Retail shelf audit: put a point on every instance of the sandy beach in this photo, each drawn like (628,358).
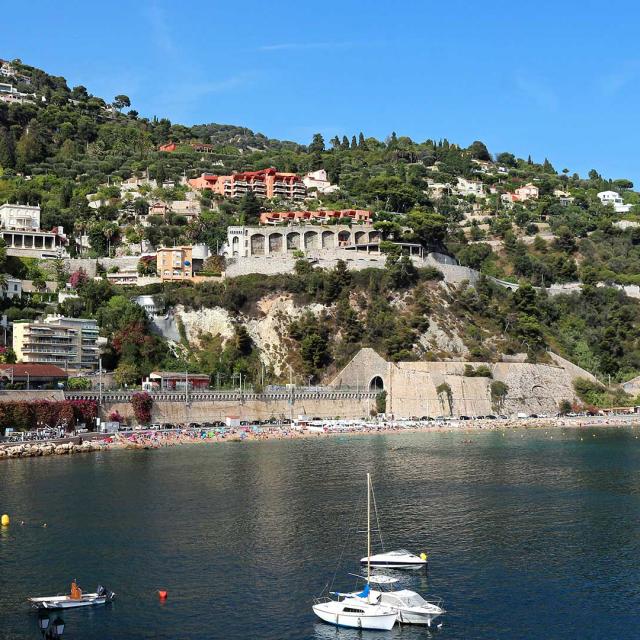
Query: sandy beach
(147,439)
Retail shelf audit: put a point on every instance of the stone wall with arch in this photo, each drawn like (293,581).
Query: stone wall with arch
(270,240)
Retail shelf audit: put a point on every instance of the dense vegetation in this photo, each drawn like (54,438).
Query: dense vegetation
(68,145)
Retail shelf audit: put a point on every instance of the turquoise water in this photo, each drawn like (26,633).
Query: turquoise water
(530,534)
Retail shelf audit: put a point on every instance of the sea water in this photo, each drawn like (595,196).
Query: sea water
(530,534)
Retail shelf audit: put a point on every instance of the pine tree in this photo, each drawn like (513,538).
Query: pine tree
(335,142)
(317,144)
(30,147)
(548,167)
(529,160)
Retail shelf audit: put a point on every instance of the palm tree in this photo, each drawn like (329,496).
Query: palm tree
(109,231)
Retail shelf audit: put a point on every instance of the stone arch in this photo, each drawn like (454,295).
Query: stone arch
(361,237)
(328,240)
(344,238)
(374,236)
(235,246)
(257,245)
(293,241)
(376,384)
(275,243)
(311,240)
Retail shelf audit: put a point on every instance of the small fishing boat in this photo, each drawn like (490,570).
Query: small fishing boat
(400,559)
(75,599)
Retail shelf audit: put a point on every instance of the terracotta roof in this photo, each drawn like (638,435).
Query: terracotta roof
(179,374)
(33,370)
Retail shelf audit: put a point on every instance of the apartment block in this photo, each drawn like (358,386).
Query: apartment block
(175,263)
(70,343)
(322,216)
(266,183)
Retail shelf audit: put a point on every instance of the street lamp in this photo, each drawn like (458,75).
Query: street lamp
(58,627)
(50,630)
(43,624)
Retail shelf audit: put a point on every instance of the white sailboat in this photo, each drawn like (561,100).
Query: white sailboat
(357,610)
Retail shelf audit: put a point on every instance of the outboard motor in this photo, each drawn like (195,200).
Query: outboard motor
(101,591)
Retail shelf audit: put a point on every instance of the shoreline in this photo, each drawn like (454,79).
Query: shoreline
(162,439)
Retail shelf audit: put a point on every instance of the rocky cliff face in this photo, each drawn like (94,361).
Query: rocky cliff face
(267,330)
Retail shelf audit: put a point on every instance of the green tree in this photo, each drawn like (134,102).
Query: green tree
(429,229)
(317,144)
(479,151)
(121,101)
(7,151)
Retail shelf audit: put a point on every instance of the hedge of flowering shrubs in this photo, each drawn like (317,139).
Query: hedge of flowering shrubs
(22,415)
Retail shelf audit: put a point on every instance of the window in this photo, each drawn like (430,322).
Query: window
(351,610)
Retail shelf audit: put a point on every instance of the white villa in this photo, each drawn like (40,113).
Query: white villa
(318,180)
(614,198)
(470,187)
(20,229)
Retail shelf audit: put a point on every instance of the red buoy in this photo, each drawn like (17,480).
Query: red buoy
(163,595)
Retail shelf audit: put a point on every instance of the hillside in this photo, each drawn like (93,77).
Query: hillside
(511,218)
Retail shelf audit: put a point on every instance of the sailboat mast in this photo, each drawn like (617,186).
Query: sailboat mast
(368,527)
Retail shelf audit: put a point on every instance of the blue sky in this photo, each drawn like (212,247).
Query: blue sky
(547,78)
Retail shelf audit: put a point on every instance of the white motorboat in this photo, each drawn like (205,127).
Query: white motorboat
(410,607)
(400,559)
(357,610)
(75,599)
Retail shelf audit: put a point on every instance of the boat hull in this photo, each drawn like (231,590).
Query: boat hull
(65,602)
(412,617)
(391,564)
(377,622)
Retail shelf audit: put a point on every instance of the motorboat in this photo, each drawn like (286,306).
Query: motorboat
(400,559)
(410,607)
(77,598)
(357,610)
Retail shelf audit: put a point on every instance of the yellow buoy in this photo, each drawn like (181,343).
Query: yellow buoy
(423,556)
(4,521)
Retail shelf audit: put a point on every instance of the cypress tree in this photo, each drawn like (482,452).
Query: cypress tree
(354,142)
(361,143)
(345,142)
(7,152)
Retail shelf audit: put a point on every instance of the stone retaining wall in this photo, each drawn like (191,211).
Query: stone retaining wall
(412,387)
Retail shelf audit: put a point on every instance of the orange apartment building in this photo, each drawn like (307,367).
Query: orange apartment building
(278,217)
(266,183)
(175,263)
(170,147)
